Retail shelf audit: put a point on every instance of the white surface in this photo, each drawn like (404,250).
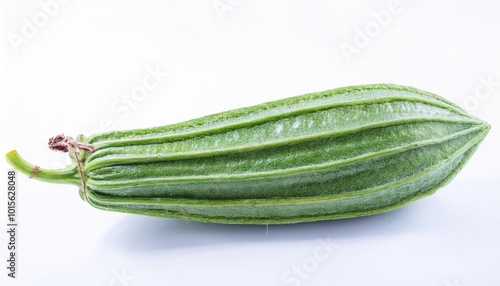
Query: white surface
(74,71)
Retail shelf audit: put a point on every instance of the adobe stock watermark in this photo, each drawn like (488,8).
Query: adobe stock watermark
(123,106)
(223,7)
(297,273)
(31,26)
(121,278)
(364,36)
(453,282)
(484,90)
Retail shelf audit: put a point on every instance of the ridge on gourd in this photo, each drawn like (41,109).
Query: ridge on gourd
(340,153)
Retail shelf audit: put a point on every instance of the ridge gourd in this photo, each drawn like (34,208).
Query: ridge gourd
(340,153)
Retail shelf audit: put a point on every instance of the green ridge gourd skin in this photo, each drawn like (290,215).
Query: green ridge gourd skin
(341,153)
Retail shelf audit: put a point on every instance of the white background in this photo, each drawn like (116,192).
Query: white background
(71,67)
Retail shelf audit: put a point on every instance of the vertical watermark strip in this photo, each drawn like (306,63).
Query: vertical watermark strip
(12,245)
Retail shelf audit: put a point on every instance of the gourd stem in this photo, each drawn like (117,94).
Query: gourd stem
(68,175)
